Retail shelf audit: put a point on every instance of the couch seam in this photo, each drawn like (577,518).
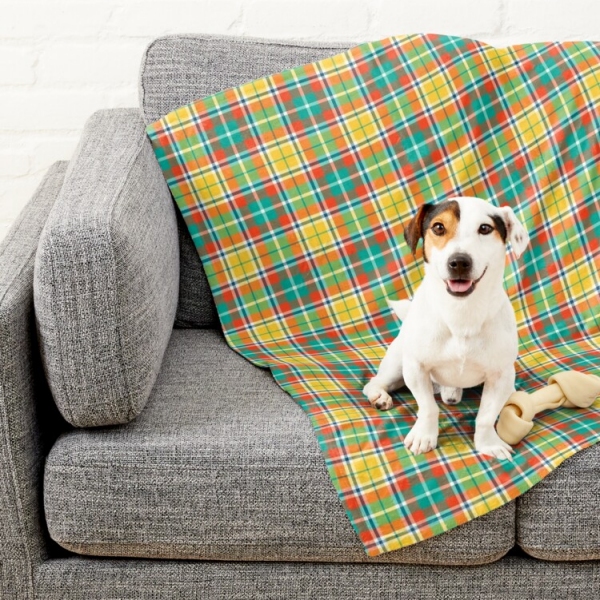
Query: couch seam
(533,551)
(142,70)
(486,560)
(66,409)
(118,284)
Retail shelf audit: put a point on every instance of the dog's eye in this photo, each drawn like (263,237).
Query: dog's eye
(438,229)
(485,229)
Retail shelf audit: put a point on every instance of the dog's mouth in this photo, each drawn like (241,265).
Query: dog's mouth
(462,287)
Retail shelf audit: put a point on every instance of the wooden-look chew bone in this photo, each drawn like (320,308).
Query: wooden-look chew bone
(571,389)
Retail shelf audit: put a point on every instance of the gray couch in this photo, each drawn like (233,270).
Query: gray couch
(133,464)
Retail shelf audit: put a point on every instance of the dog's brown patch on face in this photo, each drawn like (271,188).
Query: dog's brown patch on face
(499,227)
(448,214)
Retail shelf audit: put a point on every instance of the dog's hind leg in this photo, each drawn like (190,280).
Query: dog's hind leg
(388,378)
(450,395)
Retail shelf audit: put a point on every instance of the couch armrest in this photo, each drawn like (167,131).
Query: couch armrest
(106,279)
(27,424)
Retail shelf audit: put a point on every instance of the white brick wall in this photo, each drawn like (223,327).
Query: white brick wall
(60,60)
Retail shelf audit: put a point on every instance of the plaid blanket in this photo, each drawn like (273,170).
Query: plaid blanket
(296,188)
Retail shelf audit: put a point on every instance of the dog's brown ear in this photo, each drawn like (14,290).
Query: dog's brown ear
(413,232)
(517,234)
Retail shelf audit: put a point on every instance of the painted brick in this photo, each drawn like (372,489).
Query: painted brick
(125,97)
(15,193)
(51,149)
(60,60)
(49,110)
(14,164)
(17,65)
(548,20)
(105,63)
(4,227)
(312,19)
(53,19)
(151,19)
(459,17)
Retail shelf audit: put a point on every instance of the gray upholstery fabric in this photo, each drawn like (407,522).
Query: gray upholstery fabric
(177,70)
(107,274)
(221,465)
(511,578)
(559,518)
(25,403)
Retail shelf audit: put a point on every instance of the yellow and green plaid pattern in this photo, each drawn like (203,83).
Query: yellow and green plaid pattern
(296,188)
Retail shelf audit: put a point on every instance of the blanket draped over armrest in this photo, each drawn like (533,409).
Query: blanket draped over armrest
(296,188)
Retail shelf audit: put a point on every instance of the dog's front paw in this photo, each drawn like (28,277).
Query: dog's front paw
(489,443)
(377,396)
(422,437)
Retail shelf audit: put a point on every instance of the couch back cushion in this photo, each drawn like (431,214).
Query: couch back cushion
(177,70)
(106,275)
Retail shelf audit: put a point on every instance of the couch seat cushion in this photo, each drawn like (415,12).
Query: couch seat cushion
(558,519)
(221,464)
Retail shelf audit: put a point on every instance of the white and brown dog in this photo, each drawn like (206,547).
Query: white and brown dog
(459,330)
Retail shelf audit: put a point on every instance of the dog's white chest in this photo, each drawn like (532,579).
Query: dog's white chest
(459,362)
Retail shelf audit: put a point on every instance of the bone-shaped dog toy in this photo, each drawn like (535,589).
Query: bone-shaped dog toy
(571,389)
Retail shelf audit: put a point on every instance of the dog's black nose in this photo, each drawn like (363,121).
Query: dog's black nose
(460,265)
